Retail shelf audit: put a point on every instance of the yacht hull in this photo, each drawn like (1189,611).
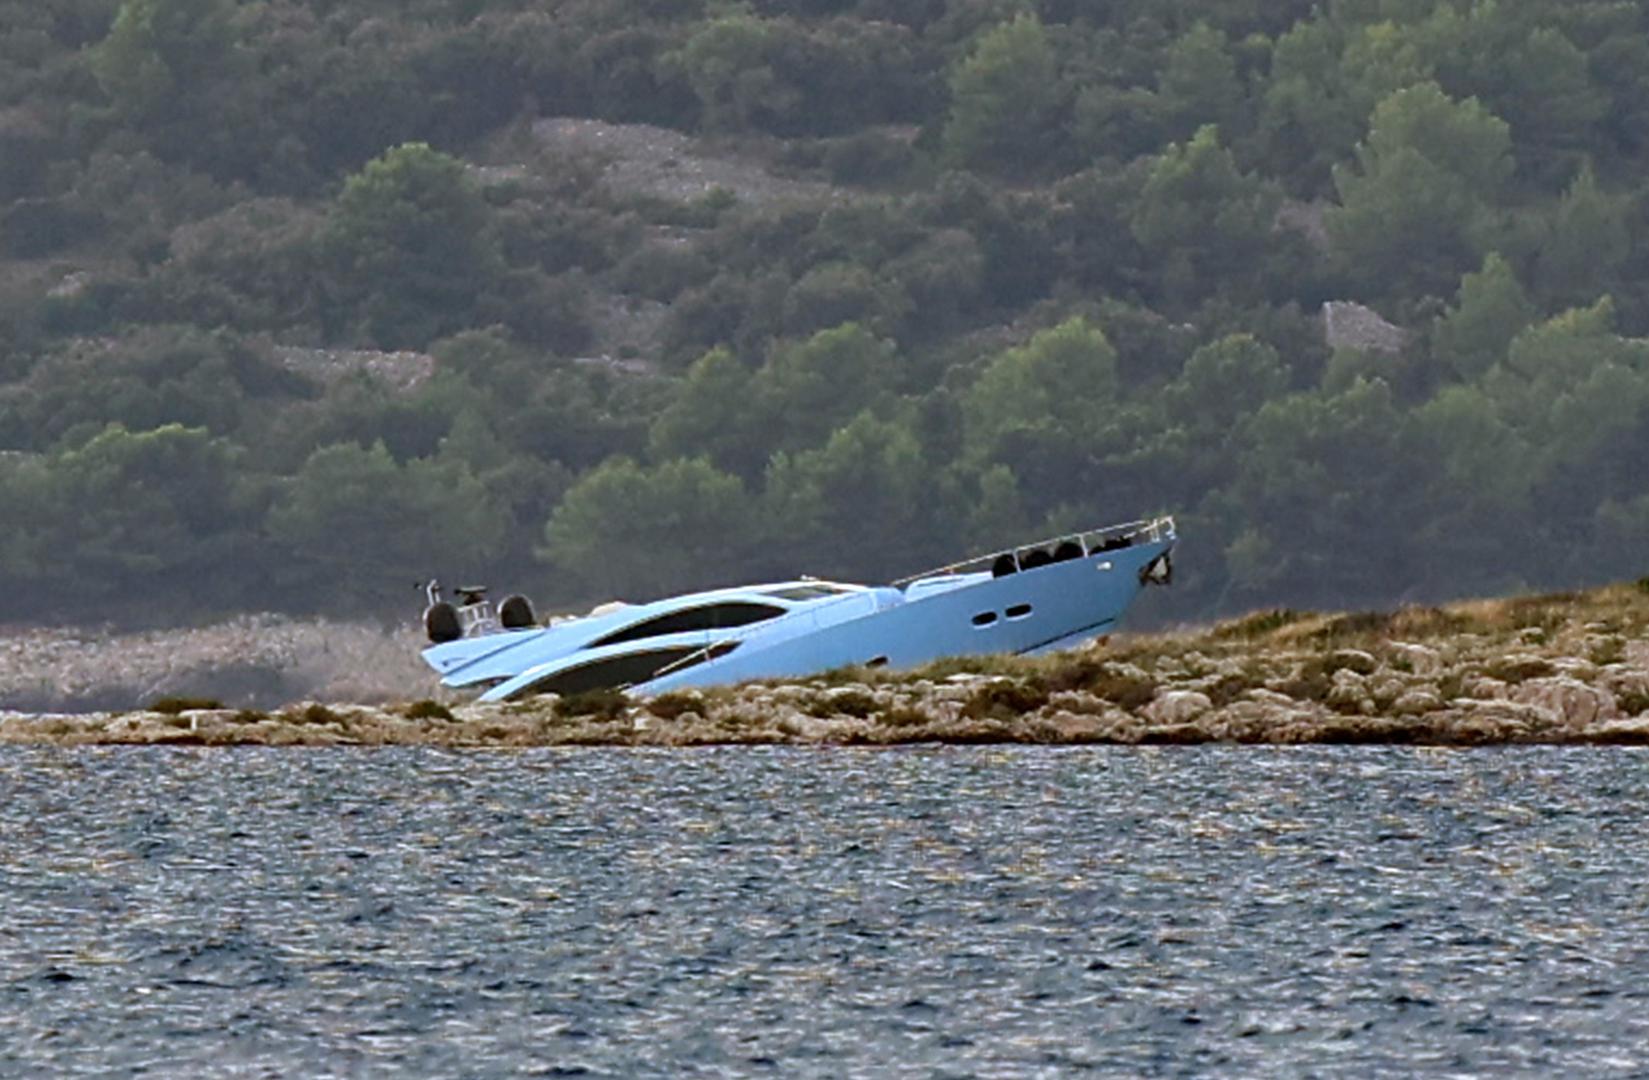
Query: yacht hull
(1053,606)
(1046,596)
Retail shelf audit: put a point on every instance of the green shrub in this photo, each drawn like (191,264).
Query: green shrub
(1516,669)
(992,664)
(869,157)
(1312,682)
(855,703)
(172,706)
(595,704)
(33,228)
(315,713)
(673,706)
(904,716)
(1004,700)
(662,273)
(1227,689)
(703,212)
(547,311)
(1126,691)
(1611,650)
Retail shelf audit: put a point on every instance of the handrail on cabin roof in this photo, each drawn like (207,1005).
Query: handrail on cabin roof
(1152,528)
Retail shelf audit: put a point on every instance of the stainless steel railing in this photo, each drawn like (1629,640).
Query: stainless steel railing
(1092,541)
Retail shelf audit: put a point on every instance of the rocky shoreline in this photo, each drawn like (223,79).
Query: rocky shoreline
(1564,669)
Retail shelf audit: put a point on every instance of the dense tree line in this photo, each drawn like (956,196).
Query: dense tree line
(1072,273)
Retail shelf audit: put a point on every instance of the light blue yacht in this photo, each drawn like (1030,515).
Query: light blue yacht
(1028,600)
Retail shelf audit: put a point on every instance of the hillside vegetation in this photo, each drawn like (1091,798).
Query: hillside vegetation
(304,300)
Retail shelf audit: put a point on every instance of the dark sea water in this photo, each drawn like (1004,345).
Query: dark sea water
(929,912)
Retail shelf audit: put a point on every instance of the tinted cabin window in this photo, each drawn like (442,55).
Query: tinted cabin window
(806,592)
(708,617)
(626,670)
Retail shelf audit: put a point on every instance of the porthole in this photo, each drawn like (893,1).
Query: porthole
(984,618)
(1019,611)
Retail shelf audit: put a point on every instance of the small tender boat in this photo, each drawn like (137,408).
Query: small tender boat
(1028,600)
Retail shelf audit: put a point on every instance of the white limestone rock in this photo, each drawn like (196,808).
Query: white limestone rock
(1422,660)
(1573,704)
(1349,325)
(1356,660)
(1417,701)
(1177,706)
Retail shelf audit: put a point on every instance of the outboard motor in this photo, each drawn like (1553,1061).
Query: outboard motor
(440,618)
(515,613)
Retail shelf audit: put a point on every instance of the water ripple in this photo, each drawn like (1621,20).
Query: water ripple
(931,912)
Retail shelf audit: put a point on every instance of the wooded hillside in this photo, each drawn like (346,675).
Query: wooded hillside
(304,300)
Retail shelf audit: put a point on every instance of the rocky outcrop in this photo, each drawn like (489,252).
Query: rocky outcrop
(640,159)
(1478,677)
(400,371)
(1348,325)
